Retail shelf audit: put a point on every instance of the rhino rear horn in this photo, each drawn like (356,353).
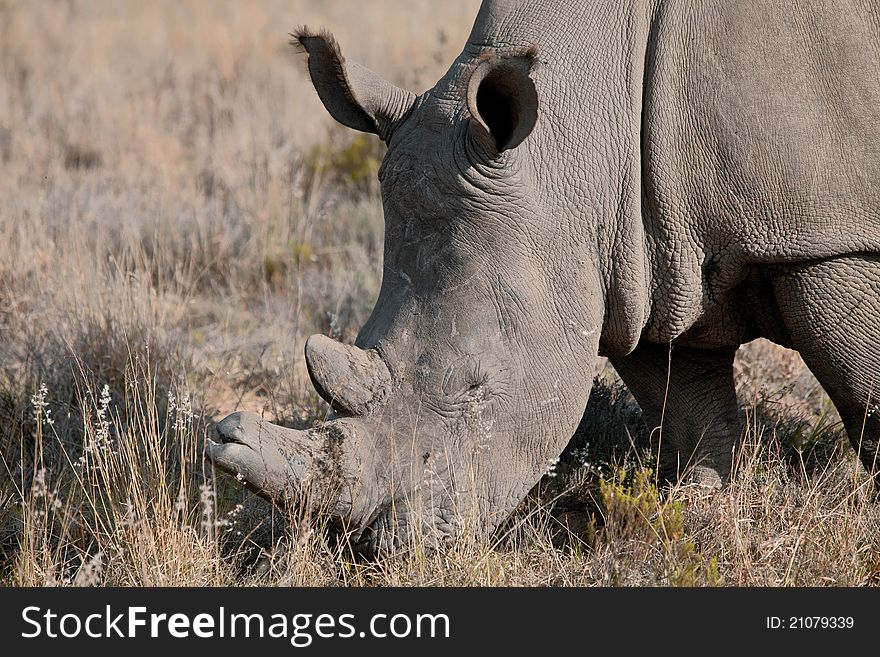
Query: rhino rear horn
(353,94)
(353,381)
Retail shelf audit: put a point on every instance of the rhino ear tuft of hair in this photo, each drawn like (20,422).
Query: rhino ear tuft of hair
(503,100)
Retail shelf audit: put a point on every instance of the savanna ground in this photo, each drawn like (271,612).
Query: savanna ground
(177,215)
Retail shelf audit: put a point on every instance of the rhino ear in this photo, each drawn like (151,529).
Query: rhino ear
(353,94)
(502,99)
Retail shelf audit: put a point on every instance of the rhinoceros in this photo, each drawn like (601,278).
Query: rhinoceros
(657,182)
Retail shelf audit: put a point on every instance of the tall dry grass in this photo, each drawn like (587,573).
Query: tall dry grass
(177,214)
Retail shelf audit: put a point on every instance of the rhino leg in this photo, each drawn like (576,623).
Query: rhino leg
(689,401)
(832,312)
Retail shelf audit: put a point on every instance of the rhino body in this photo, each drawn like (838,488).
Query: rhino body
(656,182)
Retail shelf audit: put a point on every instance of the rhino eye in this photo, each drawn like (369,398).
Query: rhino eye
(463,376)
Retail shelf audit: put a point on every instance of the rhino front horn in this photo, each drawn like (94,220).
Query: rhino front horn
(353,381)
(272,461)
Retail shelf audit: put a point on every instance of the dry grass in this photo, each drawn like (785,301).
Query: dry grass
(177,214)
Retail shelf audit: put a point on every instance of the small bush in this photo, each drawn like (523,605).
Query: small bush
(353,165)
(639,522)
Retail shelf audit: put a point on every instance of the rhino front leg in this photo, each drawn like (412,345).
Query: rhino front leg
(689,401)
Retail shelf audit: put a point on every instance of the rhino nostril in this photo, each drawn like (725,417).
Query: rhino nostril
(230,430)
(227,437)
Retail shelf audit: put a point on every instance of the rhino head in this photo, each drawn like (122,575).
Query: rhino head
(475,366)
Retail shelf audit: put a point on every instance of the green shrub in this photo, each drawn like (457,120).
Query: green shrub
(637,516)
(353,165)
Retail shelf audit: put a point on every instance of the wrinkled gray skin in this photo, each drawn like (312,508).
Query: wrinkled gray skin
(658,182)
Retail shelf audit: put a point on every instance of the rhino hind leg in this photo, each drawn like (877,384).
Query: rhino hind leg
(832,312)
(689,402)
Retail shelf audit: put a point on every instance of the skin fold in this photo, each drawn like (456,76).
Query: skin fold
(656,182)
